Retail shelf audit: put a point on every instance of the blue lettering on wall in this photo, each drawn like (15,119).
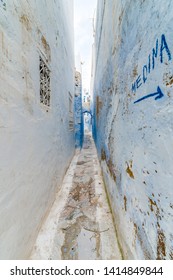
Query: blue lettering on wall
(149,63)
(161,47)
(144,73)
(134,87)
(138,81)
(154,53)
(158,94)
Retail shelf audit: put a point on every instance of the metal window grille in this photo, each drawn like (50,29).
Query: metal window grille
(44,83)
(3,4)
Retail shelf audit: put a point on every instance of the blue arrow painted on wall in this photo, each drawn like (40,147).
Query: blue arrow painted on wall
(159,94)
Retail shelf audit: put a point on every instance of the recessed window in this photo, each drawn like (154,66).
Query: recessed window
(44,83)
(71,121)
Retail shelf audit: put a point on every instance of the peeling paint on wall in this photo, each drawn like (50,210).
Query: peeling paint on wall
(37,143)
(79,126)
(133,126)
(129,170)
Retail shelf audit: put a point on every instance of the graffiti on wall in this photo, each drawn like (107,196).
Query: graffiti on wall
(158,94)
(162,53)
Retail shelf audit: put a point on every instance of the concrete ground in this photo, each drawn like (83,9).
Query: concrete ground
(79,225)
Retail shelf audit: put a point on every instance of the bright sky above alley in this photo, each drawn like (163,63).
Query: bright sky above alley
(84,12)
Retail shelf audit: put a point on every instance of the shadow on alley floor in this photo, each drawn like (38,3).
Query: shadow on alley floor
(79,225)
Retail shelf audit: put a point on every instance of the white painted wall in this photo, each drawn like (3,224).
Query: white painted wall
(135,140)
(36,144)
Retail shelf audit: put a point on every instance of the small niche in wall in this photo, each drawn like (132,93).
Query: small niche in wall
(3,4)
(44,83)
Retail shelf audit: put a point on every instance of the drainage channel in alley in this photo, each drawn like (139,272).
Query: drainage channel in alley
(79,225)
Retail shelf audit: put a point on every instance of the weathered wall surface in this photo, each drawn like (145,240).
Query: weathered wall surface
(36,143)
(79,130)
(133,93)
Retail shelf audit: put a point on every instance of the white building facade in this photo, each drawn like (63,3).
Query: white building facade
(133,131)
(36,116)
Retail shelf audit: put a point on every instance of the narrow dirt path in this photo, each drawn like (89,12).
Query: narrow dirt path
(80,224)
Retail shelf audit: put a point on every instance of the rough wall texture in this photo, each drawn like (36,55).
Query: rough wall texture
(133,89)
(36,144)
(79,130)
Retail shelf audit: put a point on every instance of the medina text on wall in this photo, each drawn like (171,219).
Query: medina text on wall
(36,115)
(133,94)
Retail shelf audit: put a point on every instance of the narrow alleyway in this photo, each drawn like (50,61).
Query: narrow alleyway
(79,225)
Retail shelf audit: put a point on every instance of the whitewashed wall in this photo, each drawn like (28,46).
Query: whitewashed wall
(36,144)
(134,62)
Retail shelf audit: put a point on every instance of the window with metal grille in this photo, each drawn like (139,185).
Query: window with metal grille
(44,83)
(71,121)
(3,4)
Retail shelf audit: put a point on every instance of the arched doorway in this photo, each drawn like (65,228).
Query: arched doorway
(87,118)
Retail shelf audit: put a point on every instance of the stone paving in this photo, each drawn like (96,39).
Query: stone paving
(80,225)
